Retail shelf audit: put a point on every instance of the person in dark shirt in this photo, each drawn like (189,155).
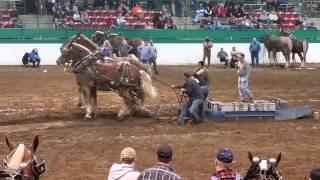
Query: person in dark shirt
(192,89)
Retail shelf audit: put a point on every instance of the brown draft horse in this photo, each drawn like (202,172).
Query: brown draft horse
(22,163)
(125,76)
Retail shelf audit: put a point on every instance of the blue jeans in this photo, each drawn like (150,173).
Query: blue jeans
(243,88)
(194,108)
(255,56)
(198,17)
(205,93)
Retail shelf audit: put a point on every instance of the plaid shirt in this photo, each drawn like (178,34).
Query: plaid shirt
(225,174)
(159,171)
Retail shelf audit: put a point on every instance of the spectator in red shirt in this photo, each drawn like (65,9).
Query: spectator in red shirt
(223,166)
(137,11)
(221,11)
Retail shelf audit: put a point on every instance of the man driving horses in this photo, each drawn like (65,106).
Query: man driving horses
(192,89)
(243,71)
(34,58)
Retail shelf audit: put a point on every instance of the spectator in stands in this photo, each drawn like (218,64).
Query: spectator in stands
(154,57)
(223,166)
(239,12)
(207,46)
(76,17)
(312,27)
(165,12)
(168,23)
(60,19)
(208,12)
(124,49)
(233,60)
(120,21)
(75,8)
(85,18)
(306,23)
(145,53)
(17,23)
(223,56)
(254,50)
(137,11)
(34,58)
(221,11)
(178,8)
(199,14)
(157,21)
(162,170)
(315,174)
(123,9)
(272,18)
(263,17)
(125,169)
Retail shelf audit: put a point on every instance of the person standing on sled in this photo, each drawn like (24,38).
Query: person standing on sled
(34,58)
(193,91)
(243,71)
(201,74)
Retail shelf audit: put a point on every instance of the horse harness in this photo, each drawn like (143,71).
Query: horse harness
(122,76)
(38,166)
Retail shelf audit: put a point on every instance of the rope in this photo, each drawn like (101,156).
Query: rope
(179,97)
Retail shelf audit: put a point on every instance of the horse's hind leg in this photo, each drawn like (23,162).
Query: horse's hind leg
(129,103)
(294,59)
(138,96)
(80,98)
(301,59)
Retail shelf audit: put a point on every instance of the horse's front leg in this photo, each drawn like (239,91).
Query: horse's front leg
(294,59)
(89,103)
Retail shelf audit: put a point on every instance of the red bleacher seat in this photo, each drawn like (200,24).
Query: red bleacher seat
(90,13)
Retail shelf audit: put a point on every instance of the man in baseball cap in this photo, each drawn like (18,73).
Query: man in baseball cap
(223,166)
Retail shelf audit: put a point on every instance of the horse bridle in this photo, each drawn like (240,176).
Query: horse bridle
(38,167)
(271,174)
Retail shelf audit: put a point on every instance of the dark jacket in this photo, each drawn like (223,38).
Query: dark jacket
(192,89)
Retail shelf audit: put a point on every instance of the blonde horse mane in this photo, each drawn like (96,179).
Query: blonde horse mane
(17,157)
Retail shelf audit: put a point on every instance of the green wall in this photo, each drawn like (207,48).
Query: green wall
(158,36)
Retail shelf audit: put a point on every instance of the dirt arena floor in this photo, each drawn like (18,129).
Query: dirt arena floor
(34,102)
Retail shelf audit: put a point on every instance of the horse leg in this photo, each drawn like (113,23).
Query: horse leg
(287,57)
(93,100)
(138,96)
(129,101)
(88,101)
(274,54)
(80,98)
(269,54)
(294,59)
(301,59)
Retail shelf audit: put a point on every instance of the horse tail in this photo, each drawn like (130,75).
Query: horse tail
(290,45)
(146,85)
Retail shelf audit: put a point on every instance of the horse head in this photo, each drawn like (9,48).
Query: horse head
(22,162)
(263,168)
(67,52)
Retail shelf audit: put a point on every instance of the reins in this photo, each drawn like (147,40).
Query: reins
(179,97)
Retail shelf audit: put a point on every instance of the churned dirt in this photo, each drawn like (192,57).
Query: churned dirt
(35,102)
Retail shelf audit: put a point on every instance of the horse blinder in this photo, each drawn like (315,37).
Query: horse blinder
(39,166)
